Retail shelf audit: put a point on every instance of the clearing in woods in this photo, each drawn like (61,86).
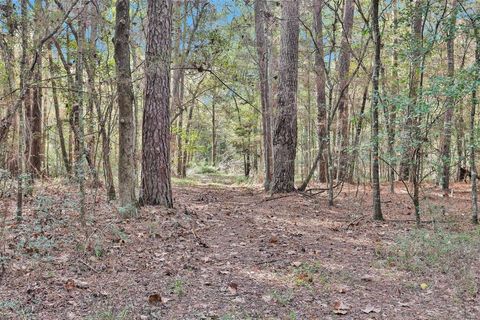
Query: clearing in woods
(233,252)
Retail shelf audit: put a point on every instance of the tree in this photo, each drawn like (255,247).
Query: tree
(413,155)
(343,78)
(450,104)
(474,102)
(377,209)
(285,130)
(391,109)
(35,121)
(320,72)
(156,185)
(126,152)
(58,120)
(78,115)
(414,79)
(262,51)
(21,112)
(320,84)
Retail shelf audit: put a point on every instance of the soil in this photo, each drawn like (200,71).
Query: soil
(224,252)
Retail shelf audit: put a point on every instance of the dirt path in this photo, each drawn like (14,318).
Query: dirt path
(223,253)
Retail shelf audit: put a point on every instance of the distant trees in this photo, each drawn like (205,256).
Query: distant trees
(156,185)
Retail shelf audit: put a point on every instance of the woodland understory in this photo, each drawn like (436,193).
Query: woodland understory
(229,251)
(239,159)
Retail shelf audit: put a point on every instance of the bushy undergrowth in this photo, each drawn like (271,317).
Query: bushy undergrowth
(205,169)
(428,253)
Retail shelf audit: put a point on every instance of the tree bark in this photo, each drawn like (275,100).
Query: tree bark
(450,103)
(392,112)
(81,157)
(156,184)
(285,133)
(126,152)
(262,52)
(377,209)
(21,112)
(473,148)
(214,135)
(343,76)
(414,145)
(36,152)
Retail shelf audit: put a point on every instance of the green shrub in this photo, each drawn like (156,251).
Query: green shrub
(205,169)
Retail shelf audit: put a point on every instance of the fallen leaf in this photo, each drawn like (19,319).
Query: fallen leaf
(423,286)
(274,240)
(70,284)
(233,288)
(74,283)
(154,299)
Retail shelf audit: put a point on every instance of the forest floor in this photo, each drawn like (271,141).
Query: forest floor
(233,252)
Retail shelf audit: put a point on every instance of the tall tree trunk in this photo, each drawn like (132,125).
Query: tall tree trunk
(79,116)
(450,103)
(409,142)
(285,132)
(180,125)
(473,148)
(343,76)
(59,121)
(21,112)
(90,62)
(460,128)
(126,152)
(358,131)
(36,152)
(8,56)
(102,119)
(187,141)
(106,149)
(320,72)
(392,112)
(262,52)
(414,143)
(377,209)
(156,181)
(214,135)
